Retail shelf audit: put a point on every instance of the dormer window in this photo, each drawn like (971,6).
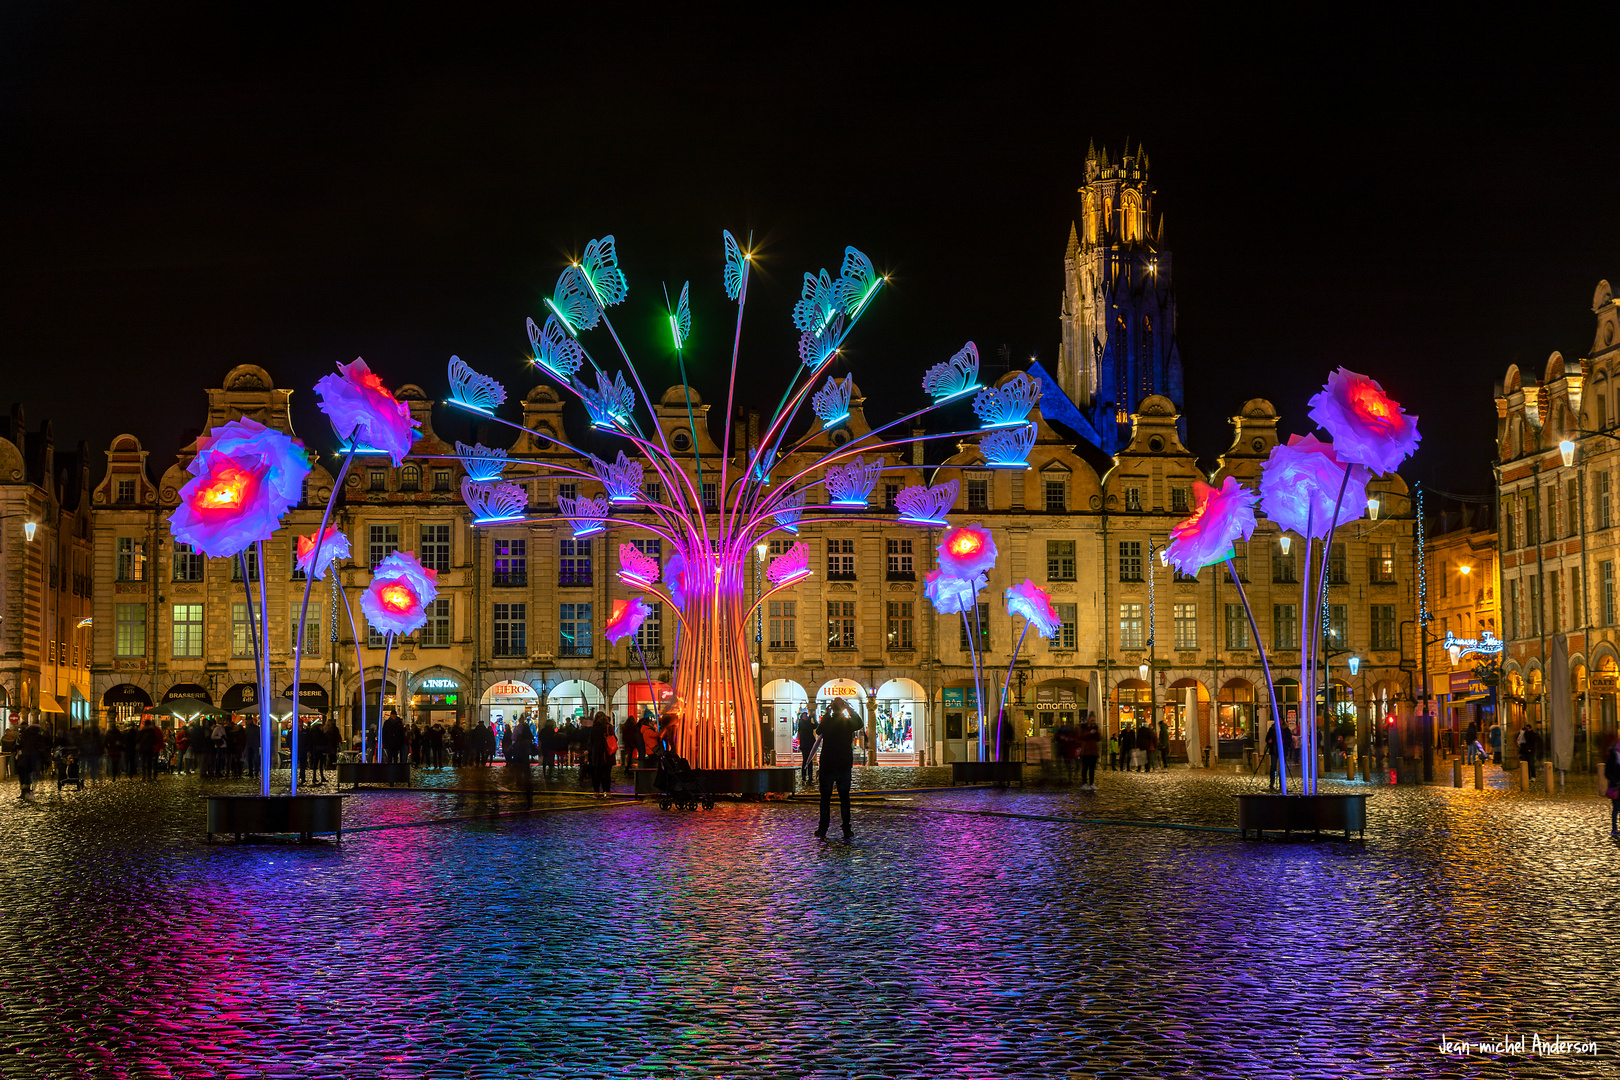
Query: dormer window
(125,491)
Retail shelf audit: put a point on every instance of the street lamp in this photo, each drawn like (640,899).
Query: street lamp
(1372,508)
(1353,663)
(1566,450)
(28,529)
(1285,542)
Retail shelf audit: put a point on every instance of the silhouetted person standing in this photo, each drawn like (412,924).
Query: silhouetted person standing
(838,733)
(807,746)
(393,738)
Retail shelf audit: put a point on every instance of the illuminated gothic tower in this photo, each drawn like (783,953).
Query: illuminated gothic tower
(1119,309)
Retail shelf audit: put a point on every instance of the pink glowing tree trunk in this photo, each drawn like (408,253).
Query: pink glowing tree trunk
(714,679)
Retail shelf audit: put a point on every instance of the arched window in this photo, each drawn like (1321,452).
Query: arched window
(410,478)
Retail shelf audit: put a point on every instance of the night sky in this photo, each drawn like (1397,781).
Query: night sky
(185,188)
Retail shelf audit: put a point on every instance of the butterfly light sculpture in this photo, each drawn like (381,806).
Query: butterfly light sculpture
(924,505)
(482,463)
(955,377)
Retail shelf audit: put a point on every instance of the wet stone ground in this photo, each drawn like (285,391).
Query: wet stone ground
(969,933)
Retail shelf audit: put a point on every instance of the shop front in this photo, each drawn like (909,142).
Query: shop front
(1178,720)
(1058,703)
(439,697)
(573,702)
(504,704)
(780,702)
(241,699)
(900,711)
(960,709)
(125,702)
(1133,704)
(640,698)
(1234,710)
(1605,682)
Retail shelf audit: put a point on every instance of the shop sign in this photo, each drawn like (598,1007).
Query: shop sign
(451,684)
(1605,682)
(510,689)
(961,697)
(1486,644)
(1465,684)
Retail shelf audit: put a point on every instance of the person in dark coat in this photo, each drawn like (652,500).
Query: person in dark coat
(1127,748)
(1144,743)
(312,752)
(147,740)
(1611,782)
(1164,745)
(598,755)
(1273,750)
(1004,738)
(393,738)
(838,731)
(629,741)
(807,746)
(30,744)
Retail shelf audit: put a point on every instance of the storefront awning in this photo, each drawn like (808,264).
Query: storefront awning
(243,697)
(188,690)
(126,694)
(48,703)
(312,697)
(1470,699)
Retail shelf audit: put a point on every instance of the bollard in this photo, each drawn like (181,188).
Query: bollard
(1456,772)
(1479,776)
(1366,768)
(1547,775)
(1524,776)
(1349,767)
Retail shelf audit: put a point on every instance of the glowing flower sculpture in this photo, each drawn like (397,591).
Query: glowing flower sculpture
(1031,601)
(967,551)
(356,401)
(1368,428)
(1299,486)
(317,552)
(244,478)
(952,595)
(1221,516)
(397,599)
(626,619)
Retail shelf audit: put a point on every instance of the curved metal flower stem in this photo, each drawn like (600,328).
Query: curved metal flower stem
(731,395)
(1307,670)
(382,688)
(264,675)
(258,675)
(1265,666)
(977,638)
(1007,682)
(1316,605)
(359,658)
(309,581)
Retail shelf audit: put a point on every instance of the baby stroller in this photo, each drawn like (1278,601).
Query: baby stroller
(682,788)
(67,768)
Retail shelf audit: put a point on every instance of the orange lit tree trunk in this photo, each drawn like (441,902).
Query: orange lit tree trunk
(714,680)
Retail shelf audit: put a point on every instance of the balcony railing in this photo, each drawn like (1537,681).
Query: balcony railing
(574,649)
(840,575)
(509,579)
(568,579)
(902,575)
(652,654)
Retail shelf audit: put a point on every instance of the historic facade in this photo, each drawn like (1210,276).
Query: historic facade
(45,587)
(1119,306)
(1558,529)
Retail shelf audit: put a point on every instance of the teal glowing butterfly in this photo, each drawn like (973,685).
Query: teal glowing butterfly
(573,303)
(554,350)
(600,266)
(680,323)
(857,282)
(736,269)
(819,302)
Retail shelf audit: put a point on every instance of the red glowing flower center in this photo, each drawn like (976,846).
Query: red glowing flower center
(965,544)
(398,597)
(224,493)
(1370,403)
(372,381)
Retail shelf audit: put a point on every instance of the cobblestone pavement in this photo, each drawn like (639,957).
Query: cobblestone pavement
(968,933)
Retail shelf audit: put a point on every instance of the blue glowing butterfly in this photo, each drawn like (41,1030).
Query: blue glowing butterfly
(831,402)
(957,376)
(600,266)
(470,389)
(857,282)
(554,350)
(611,402)
(819,303)
(789,510)
(587,514)
(736,269)
(852,484)
(924,505)
(493,502)
(816,349)
(680,323)
(762,469)
(621,478)
(482,463)
(1008,448)
(1008,404)
(573,302)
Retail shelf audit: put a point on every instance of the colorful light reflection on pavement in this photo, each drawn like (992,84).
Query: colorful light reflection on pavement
(623,940)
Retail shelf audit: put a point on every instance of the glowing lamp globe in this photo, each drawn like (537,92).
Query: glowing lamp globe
(1367,426)
(967,551)
(1354,663)
(245,477)
(1566,450)
(1142,670)
(1372,508)
(400,592)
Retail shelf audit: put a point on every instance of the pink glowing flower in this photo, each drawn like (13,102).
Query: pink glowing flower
(1368,428)
(356,401)
(397,599)
(314,558)
(1031,601)
(1299,486)
(1222,516)
(967,551)
(951,595)
(244,478)
(627,617)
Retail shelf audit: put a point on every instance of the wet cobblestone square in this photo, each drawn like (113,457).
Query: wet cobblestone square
(968,933)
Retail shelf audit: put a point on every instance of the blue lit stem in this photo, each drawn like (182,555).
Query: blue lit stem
(309,581)
(1007,683)
(382,688)
(1265,666)
(978,674)
(1321,584)
(359,662)
(258,676)
(264,672)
